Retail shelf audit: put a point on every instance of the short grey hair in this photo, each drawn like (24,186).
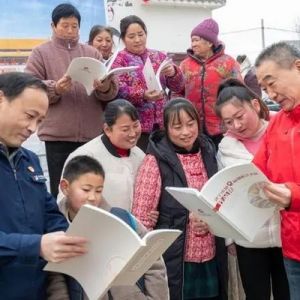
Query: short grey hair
(282,53)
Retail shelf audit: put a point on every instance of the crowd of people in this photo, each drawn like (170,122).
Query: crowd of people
(119,147)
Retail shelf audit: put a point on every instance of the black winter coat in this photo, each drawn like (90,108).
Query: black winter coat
(174,216)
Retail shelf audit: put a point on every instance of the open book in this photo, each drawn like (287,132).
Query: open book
(231,202)
(152,79)
(116,254)
(87,69)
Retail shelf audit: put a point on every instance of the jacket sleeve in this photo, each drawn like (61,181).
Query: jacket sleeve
(175,83)
(295,201)
(147,191)
(131,85)
(54,219)
(36,67)
(156,282)
(261,160)
(180,91)
(111,93)
(17,245)
(233,69)
(261,156)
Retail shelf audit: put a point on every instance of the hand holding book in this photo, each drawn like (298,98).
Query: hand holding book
(152,79)
(167,68)
(87,69)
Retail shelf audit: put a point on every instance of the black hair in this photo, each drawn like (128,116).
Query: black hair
(282,53)
(81,165)
(174,107)
(127,21)
(241,58)
(65,10)
(234,90)
(96,29)
(12,84)
(116,108)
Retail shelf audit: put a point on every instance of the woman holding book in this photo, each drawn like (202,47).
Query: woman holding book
(246,118)
(132,86)
(180,156)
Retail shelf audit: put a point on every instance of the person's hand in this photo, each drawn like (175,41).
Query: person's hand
(63,85)
(168,70)
(278,193)
(199,226)
(231,249)
(153,216)
(153,95)
(57,246)
(102,85)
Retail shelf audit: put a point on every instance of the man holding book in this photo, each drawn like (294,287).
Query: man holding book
(278,73)
(74,117)
(31,227)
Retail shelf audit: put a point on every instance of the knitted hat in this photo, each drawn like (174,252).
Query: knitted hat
(208,30)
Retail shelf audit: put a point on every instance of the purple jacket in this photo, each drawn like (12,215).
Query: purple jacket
(132,86)
(73,116)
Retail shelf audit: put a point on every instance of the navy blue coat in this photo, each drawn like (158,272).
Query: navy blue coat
(27,211)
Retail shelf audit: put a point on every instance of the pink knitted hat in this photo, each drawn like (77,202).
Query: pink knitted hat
(208,30)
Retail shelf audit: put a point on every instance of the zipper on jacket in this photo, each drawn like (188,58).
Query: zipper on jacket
(183,255)
(15,173)
(202,100)
(293,150)
(11,163)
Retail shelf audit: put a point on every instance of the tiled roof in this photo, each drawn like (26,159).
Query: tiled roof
(210,4)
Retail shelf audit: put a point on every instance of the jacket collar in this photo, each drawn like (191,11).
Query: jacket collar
(63,43)
(217,52)
(13,154)
(294,114)
(143,55)
(109,146)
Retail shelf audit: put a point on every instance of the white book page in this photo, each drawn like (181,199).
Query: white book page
(155,243)
(112,59)
(166,62)
(111,245)
(237,194)
(121,70)
(86,70)
(150,77)
(191,199)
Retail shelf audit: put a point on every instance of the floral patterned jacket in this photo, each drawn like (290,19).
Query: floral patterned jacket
(202,79)
(132,86)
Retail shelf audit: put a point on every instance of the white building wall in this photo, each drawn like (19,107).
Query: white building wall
(169,26)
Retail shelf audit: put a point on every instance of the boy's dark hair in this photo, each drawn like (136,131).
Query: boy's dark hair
(65,10)
(12,84)
(117,108)
(233,89)
(282,53)
(127,21)
(80,165)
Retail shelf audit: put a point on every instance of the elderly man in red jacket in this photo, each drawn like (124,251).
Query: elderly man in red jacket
(278,73)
